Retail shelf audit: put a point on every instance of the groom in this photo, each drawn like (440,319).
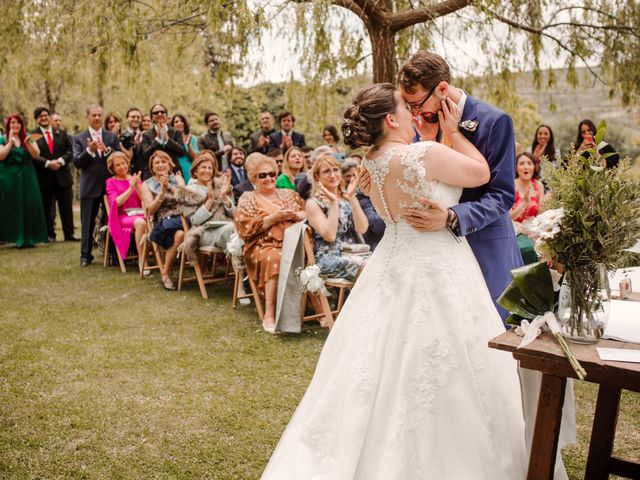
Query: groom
(482,216)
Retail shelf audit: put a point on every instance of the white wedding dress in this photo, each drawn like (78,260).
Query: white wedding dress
(406,387)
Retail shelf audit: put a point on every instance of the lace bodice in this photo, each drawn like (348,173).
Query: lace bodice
(399,179)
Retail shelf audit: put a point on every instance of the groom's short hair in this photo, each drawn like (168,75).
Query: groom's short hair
(424,68)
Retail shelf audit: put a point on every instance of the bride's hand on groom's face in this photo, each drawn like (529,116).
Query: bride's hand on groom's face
(449,117)
(430,219)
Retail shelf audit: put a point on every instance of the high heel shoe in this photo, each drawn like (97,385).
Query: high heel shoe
(271,329)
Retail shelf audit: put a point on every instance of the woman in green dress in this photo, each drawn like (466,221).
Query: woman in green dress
(21,214)
(293,165)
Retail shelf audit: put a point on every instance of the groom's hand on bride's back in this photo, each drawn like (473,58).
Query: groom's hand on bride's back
(364,180)
(433,217)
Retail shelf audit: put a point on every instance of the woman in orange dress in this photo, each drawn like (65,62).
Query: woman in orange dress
(261,219)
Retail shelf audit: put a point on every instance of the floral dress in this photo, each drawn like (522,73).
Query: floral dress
(263,248)
(332,261)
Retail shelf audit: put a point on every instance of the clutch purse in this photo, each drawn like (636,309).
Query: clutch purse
(356,248)
(132,212)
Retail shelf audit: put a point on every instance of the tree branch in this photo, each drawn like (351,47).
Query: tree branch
(408,18)
(557,41)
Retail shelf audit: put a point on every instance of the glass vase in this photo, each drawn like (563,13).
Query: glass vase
(584,303)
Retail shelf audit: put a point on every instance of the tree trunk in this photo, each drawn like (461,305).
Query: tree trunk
(383,49)
(51,97)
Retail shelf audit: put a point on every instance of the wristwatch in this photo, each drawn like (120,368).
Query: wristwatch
(453,225)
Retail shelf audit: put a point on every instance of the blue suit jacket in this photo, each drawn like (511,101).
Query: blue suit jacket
(483,211)
(297,138)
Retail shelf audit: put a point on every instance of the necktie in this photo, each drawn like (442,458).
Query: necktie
(49,141)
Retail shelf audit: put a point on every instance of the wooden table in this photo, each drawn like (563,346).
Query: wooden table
(544,354)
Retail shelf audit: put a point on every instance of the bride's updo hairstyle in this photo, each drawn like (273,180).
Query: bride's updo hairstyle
(364,119)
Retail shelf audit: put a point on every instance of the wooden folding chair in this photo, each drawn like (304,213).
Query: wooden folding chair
(150,248)
(255,293)
(214,255)
(107,241)
(317,299)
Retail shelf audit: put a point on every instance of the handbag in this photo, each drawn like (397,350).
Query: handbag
(132,212)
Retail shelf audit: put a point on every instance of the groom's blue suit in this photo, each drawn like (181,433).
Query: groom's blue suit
(483,212)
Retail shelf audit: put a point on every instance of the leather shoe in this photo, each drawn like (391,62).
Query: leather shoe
(72,239)
(85,262)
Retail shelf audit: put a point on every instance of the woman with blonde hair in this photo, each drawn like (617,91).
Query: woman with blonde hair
(293,165)
(261,219)
(160,198)
(337,219)
(125,206)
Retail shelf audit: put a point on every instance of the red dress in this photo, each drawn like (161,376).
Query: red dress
(534,203)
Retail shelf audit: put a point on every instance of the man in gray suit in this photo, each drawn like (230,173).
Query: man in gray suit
(91,149)
(216,140)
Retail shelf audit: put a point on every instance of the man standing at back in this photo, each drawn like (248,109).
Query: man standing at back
(53,167)
(482,216)
(259,140)
(90,151)
(287,137)
(216,140)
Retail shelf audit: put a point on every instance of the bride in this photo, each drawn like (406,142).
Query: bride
(406,387)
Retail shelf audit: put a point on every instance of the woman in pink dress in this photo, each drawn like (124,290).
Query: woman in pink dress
(125,208)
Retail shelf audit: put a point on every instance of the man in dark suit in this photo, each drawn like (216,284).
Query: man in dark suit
(286,137)
(131,142)
(238,173)
(53,168)
(161,137)
(259,140)
(90,151)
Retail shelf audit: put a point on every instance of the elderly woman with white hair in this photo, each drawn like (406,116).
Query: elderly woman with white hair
(261,219)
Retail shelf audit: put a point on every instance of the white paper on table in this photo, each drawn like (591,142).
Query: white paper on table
(619,355)
(631,272)
(635,248)
(624,321)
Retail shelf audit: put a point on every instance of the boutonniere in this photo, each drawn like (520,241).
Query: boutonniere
(469,125)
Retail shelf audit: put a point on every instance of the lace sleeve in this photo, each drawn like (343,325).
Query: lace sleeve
(413,181)
(248,218)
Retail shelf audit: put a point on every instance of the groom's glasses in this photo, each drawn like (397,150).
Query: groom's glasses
(416,108)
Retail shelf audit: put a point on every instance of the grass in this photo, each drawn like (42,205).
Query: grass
(106,376)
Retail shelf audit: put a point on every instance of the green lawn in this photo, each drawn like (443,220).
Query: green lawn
(103,375)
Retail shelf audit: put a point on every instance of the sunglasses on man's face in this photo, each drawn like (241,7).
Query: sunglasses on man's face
(263,175)
(159,112)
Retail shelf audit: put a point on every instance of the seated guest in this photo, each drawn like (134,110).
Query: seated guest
(190,142)
(529,195)
(286,137)
(22,218)
(336,218)
(236,167)
(355,157)
(586,139)
(259,140)
(247,185)
(306,153)
(125,207)
(374,233)
(112,123)
(161,137)
(278,155)
(261,219)
(217,206)
(293,165)
(303,182)
(160,198)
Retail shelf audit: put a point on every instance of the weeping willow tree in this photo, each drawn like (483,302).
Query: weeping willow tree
(519,34)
